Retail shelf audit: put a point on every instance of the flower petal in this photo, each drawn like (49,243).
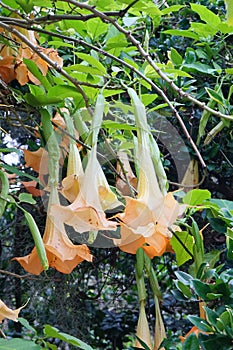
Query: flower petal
(37,160)
(6,312)
(129,242)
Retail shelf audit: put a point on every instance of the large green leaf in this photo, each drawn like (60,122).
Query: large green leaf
(92,61)
(191,343)
(42,100)
(186,33)
(37,73)
(229,8)
(222,203)
(55,333)
(18,344)
(178,241)
(196,197)
(206,15)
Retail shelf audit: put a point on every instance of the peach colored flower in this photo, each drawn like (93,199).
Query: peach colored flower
(6,312)
(86,212)
(62,254)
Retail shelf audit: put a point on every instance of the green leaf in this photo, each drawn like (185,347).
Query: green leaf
(184,289)
(229,242)
(223,203)
(215,96)
(37,73)
(176,58)
(201,289)
(14,170)
(26,5)
(18,344)
(200,67)
(92,61)
(215,341)
(109,124)
(170,9)
(26,198)
(213,296)
(41,100)
(84,69)
(59,43)
(229,8)
(211,315)
(176,242)
(26,324)
(184,277)
(200,323)
(55,333)
(212,258)
(95,28)
(191,343)
(63,91)
(10,150)
(148,98)
(196,197)
(185,33)
(206,15)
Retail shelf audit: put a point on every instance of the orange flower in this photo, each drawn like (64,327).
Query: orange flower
(120,184)
(7,68)
(86,212)
(62,254)
(147,218)
(12,65)
(6,312)
(71,183)
(37,160)
(31,188)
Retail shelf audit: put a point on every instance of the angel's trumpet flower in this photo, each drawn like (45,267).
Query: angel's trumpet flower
(143,331)
(61,253)
(6,312)
(147,218)
(86,212)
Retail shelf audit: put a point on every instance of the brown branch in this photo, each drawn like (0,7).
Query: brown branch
(48,19)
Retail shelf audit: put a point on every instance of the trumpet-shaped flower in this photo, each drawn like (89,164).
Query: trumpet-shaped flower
(121,185)
(6,312)
(37,160)
(71,183)
(143,331)
(147,218)
(62,254)
(86,212)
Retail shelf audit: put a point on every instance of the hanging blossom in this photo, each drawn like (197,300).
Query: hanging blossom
(86,213)
(121,185)
(61,253)
(147,218)
(6,312)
